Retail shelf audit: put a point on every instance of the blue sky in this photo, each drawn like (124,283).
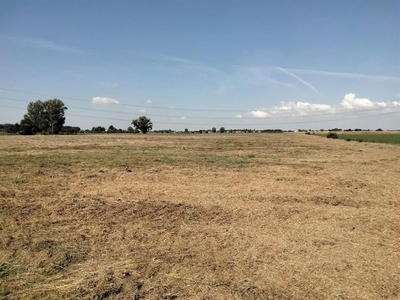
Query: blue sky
(199,64)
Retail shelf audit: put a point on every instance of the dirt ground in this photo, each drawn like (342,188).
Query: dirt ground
(211,216)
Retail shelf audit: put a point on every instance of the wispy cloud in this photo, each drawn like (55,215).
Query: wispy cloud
(298,78)
(142,110)
(40,44)
(238,116)
(192,65)
(345,75)
(104,100)
(110,85)
(148,101)
(259,76)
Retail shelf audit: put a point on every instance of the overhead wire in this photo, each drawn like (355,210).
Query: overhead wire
(224,124)
(210,117)
(178,108)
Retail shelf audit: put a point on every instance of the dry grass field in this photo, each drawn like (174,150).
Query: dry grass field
(212,216)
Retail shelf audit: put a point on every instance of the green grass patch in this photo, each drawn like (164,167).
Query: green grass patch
(369,137)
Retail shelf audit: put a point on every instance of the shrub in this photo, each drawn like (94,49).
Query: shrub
(332,135)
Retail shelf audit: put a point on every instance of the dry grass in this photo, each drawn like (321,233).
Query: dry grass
(253,216)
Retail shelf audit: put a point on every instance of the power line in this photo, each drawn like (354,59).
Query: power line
(208,117)
(129,105)
(180,109)
(213,124)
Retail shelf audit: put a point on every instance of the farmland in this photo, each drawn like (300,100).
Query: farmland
(212,216)
(371,137)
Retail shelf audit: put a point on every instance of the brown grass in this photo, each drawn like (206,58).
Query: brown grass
(218,216)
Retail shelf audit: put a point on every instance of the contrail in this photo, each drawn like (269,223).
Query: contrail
(298,78)
(348,75)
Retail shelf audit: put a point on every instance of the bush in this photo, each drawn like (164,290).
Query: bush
(332,135)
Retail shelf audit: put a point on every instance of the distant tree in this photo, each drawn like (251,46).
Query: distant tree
(44,117)
(143,124)
(186,130)
(222,129)
(214,129)
(111,129)
(10,128)
(379,129)
(98,129)
(70,130)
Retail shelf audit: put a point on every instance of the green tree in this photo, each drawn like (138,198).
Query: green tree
(214,129)
(143,124)
(111,129)
(186,130)
(222,129)
(44,117)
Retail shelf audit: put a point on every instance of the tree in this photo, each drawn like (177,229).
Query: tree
(186,130)
(214,129)
(10,128)
(222,129)
(70,130)
(44,117)
(143,124)
(98,129)
(111,129)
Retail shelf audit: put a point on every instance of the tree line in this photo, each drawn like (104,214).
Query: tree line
(48,117)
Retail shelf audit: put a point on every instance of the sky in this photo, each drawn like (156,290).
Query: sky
(308,64)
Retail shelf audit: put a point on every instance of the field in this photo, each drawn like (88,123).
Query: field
(371,137)
(212,216)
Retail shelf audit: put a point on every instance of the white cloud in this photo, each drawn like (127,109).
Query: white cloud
(298,108)
(104,100)
(142,110)
(148,101)
(183,118)
(238,116)
(397,95)
(259,114)
(350,101)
